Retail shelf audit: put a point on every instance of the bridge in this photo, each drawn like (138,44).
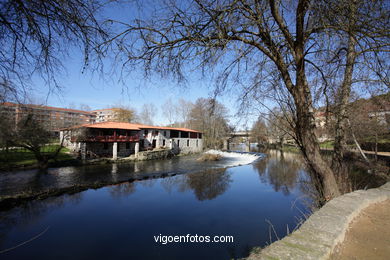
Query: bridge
(240,134)
(245,134)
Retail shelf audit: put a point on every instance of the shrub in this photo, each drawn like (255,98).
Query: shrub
(209,157)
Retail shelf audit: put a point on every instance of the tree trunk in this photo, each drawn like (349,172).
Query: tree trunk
(324,177)
(341,115)
(43,161)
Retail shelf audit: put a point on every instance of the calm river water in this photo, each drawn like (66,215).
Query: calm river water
(120,221)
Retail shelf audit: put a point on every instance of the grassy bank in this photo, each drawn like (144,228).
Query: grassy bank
(20,157)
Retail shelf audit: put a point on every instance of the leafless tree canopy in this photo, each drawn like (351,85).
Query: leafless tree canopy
(282,49)
(34,36)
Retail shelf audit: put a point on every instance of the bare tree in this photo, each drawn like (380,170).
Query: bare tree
(240,40)
(183,110)
(85,107)
(32,135)
(35,35)
(123,115)
(209,117)
(252,31)
(147,114)
(259,131)
(354,51)
(168,111)
(368,120)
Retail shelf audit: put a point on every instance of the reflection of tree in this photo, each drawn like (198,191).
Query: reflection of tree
(208,184)
(178,182)
(283,175)
(261,167)
(279,170)
(121,190)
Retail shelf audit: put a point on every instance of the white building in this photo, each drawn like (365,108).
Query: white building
(105,115)
(124,139)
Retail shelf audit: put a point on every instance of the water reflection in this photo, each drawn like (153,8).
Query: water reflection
(32,213)
(35,181)
(119,221)
(122,190)
(279,170)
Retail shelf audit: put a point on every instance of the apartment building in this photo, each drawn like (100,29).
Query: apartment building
(53,118)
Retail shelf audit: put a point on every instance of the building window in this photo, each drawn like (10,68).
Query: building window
(174,133)
(127,145)
(105,146)
(146,132)
(165,133)
(188,142)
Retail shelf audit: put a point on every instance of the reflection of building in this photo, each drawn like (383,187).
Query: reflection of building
(52,117)
(123,139)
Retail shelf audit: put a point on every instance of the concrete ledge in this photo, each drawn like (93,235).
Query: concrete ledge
(319,235)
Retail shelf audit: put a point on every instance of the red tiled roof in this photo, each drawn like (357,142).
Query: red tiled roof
(9,104)
(129,126)
(110,125)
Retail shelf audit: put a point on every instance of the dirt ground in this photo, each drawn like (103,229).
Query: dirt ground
(368,236)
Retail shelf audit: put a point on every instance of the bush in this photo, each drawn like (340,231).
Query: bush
(209,157)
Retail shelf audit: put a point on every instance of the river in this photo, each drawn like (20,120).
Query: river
(254,204)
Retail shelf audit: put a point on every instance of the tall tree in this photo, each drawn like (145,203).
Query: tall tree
(259,131)
(241,39)
(209,117)
(168,111)
(354,50)
(123,114)
(147,114)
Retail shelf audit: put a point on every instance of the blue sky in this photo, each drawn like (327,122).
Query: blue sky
(90,89)
(85,87)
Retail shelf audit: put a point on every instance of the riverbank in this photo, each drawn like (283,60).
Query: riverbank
(17,160)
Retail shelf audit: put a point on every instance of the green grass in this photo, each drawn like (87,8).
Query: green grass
(381,139)
(23,157)
(289,148)
(327,145)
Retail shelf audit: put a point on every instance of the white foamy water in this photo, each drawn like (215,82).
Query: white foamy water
(236,159)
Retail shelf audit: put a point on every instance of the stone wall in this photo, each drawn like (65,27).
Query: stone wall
(98,149)
(187,145)
(322,231)
(154,155)
(177,144)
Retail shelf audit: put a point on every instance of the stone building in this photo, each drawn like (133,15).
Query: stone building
(118,139)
